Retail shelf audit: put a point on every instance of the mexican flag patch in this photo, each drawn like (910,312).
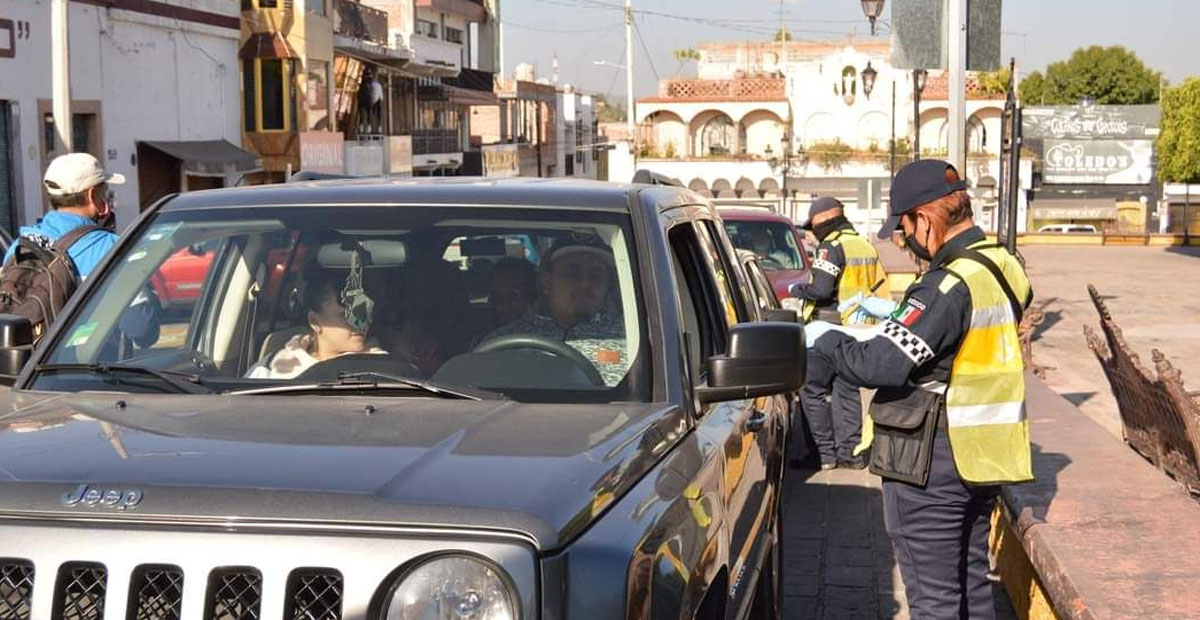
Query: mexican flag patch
(908,314)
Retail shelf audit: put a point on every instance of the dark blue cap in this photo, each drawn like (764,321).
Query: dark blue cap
(821,205)
(917,184)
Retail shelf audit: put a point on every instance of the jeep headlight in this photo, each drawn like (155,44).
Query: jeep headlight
(454,587)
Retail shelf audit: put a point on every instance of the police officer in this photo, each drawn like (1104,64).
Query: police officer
(949,413)
(846,266)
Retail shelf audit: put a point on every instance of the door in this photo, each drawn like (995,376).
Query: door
(710,304)
(8,172)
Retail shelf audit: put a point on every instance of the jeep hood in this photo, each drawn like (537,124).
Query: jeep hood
(545,471)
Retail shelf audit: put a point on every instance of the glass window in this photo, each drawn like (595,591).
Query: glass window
(772,242)
(272,89)
(249,113)
(539,306)
(454,35)
(727,283)
(703,327)
(427,28)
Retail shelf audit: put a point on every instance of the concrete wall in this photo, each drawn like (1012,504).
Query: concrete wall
(154,78)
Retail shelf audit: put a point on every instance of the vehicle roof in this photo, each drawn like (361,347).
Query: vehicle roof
(570,193)
(758,214)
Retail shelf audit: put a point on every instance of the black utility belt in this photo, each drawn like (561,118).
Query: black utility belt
(905,427)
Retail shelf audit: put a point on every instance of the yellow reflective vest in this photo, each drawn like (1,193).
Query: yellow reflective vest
(985,400)
(861,273)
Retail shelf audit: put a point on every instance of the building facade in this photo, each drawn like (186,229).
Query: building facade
(765,120)
(155,96)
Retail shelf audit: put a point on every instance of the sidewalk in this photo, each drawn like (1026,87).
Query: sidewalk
(838,562)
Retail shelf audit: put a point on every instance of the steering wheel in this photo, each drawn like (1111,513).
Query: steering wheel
(329,369)
(769,263)
(552,346)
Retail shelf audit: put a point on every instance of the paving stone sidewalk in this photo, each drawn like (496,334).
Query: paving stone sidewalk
(838,562)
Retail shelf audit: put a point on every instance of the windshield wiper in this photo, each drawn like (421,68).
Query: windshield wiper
(183,382)
(377,380)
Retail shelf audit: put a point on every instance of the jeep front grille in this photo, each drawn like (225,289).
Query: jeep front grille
(156,593)
(16,588)
(314,594)
(79,591)
(234,594)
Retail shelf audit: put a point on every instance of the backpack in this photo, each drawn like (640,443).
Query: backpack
(40,278)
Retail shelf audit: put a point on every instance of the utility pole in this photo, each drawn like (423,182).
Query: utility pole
(957,40)
(630,122)
(60,70)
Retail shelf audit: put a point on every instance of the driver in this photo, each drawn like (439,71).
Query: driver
(329,334)
(576,279)
(764,247)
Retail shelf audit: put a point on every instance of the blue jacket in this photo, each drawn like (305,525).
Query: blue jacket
(140,322)
(87,252)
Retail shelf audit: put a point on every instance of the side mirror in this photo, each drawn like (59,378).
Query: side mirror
(763,359)
(780,315)
(16,345)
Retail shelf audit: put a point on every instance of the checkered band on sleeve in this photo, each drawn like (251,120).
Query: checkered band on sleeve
(911,344)
(827,267)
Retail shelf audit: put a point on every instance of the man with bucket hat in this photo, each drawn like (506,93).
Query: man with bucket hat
(845,267)
(949,411)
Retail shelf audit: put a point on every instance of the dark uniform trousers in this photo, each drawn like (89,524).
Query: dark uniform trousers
(933,529)
(832,407)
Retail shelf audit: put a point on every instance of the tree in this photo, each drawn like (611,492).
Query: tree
(1179,141)
(684,55)
(609,112)
(995,82)
(1106,75)
(783,35)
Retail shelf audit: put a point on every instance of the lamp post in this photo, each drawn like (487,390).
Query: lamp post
(872,9)
(868,78)
(919,76)
(784,163)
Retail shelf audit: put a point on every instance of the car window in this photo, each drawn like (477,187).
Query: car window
(282,297)
(773,243)
(704,322)
(763,293)
(729,294)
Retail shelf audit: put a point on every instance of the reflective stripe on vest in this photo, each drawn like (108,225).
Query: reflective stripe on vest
(985,401)
(862,271)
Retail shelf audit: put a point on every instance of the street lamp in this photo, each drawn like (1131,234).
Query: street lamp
(868,78)
(872,9)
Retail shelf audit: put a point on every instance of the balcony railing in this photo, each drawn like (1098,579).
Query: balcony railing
(747,89)
(357,20)
(434,141)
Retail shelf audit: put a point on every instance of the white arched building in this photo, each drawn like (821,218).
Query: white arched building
(723,132)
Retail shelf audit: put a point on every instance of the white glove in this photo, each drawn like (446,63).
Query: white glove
(879,307)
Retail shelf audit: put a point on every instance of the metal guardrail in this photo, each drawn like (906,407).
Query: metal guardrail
(1159,418)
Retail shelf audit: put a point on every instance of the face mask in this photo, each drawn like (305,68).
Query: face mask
(826,228)
(916,248)
(108,220)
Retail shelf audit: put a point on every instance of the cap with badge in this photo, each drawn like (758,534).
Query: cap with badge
(917,184)
(820,205)
(75,173)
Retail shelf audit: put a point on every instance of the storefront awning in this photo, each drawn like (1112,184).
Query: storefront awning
(267,45)
(210,157)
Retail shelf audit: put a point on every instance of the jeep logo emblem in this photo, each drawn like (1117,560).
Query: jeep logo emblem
(86,495)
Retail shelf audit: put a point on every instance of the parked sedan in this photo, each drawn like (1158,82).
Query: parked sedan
(360,442)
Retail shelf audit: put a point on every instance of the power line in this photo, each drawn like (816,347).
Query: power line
(649,57)
(556,30)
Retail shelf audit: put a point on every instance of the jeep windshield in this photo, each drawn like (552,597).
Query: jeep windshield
(534,305)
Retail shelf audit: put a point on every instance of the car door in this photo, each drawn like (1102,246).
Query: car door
(712,300)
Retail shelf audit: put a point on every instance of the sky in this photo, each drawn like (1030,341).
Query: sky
(1036,33)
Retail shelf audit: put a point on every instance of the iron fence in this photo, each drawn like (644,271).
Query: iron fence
(1159,418)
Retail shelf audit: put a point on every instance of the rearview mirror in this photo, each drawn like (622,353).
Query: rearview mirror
(16,345)
(763,359)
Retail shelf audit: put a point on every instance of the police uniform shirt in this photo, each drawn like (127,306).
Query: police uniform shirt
(920,339)
(827,266)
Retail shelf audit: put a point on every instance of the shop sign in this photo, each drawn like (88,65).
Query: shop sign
(1098,162)
(501,161)
(322,151)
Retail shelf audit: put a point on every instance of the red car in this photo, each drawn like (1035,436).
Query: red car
(776,241)
(179,279)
